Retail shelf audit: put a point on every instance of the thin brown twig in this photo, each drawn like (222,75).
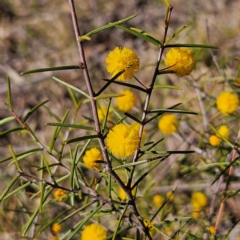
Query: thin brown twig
(108,166)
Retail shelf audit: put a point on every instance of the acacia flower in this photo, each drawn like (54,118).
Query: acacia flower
(102,111)
(60,195)
(180,60)
(126,102)
(212,230)
(94,232)
(122,140)
(227,103)
(158,200)
(214,140)
(56,228)
(168,124)
(223,131)
(91,156)
(122,59)
(199,200)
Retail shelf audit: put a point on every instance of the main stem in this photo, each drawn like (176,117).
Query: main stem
(97,125)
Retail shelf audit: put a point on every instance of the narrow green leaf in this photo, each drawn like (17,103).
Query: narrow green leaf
(167,3)
(52,69)
(141,35)
(81,139)
(68,125)
(7,189)
(11,130)
(109,25)
(22,155)
(81,209)
(31,219)
(17,190)
(56,132)
(70,86)
(5,120)
(168,152)
(109,82)
(132,117)
(46,165)
(127,85)
(34,110)
(15,159)
(111,95)
(171,111)
(159,114)
(167,86)
(77,227)
(175,34)
(190,45)
(9,94)
(42,196)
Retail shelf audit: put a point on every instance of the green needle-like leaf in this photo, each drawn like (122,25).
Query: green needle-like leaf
(34,110)
(81,139)
(9,94)
(109,25)
(190,45)
(6,120)
(70,86)
(68,125)
(166,86)
(171,111)
(141,34)
(52,69)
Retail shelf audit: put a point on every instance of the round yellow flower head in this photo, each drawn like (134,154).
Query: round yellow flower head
(122,140)
(180,60)
(120,59)
(199,200)
(56,228)
(55,238)
(214,140)
(227,103)
(91,156)
(60,195)
(158,200)
(127,102)
(212,230)
(102,113)
(195,213)
(223,131)
(168,124)
(94,232)
(171,196)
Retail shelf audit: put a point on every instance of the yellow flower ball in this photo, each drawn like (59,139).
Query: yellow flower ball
(212,230)
(102,111)
(199,200)
(171,196)
(54,238)
(195,213)
(227,103)
(180,60)
(91,156)
(94,232)
(168,124)
(120,59)
(123,195)
(158,200)
(56,228)
(122,140)
(60,195)
(127,102)
(214,140)
(223,131)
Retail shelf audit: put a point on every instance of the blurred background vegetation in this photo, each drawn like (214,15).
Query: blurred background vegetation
(39,34)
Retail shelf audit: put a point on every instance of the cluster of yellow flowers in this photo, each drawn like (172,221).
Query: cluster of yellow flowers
(91,156)
(168,124)
(60,195)
(199,201)
(94,232)
(223,131)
